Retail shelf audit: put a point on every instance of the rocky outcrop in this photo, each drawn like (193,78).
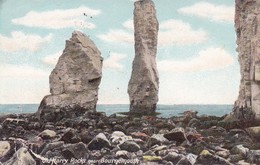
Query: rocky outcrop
(247,21)
(144,83)
(74,81)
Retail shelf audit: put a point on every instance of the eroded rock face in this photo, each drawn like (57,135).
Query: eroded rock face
(247,21)
(75,79)
(144,83)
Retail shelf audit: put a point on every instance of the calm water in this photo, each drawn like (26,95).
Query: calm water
(165,110)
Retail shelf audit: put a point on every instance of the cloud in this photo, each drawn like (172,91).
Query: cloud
(217,13)
(20,41)
(58,19)
(208,59)
(113,61)
(177,32)
(134,0)
(120,35)
(117,36)
(129,24)
(52,59)
(15,71)
(22,84)
(171,32)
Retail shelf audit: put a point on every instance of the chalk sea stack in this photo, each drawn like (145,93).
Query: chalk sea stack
(74,81)
(144,83)
(247,25)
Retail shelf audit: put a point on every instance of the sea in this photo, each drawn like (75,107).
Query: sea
(164,110)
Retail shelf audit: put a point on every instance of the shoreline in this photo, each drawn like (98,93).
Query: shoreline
(95,138)
(165,110)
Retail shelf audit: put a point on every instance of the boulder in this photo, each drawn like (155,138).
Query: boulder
(47,134)
(191,158)
(12,123)
(157,148)
(156,139)
(173,157)
(119,127)
(77,151)
(122,154)
(51,147)
(36,143)
(140,135)
(240,150)
(144,82)
(235,158)
(242,162)
(254,132)
(254,156)
(74,81)
(194,123)
(86,136)
(197,147)
(177,134)
(129,146)
(99,142)
(70,136)
(118,137)
(224,154)
(152,158)
(22,156)
(206,157)
(5,148)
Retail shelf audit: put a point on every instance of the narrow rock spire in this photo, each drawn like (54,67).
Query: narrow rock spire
(144,83)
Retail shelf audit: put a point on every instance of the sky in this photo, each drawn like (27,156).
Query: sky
(196,56)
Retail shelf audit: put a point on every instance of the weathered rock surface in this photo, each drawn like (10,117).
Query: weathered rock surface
(206,157)
(156,139)
(77,151)
(144,83)
(129,146)
(22,156)
(99,142)
(177,134)
(240,150)
(247,20)
(254,132)
(5,147)
(254,156)
(47,134)
(74,81)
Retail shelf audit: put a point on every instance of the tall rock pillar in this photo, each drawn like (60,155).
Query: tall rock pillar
(247,25)
(74,81)
(144,83)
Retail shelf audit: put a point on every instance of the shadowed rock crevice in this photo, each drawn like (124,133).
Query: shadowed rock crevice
(74,81)
(144,83)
